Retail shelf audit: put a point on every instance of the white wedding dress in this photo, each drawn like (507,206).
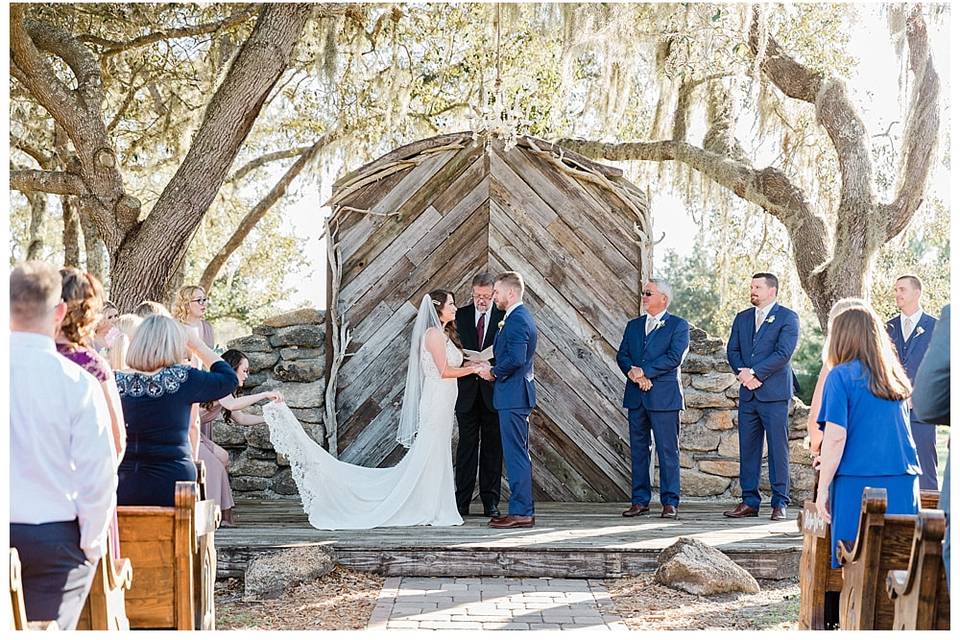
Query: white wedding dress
(419,490)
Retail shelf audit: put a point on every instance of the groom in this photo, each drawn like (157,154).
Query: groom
(514,396)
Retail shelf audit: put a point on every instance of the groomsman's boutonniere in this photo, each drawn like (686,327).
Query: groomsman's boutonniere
(660,324)
(920,331)
(771,319)
(500,324)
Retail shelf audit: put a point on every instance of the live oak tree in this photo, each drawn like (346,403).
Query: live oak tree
(144,253)
(832,260)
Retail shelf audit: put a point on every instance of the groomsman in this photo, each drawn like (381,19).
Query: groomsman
(911,332)
(653,347)
(477,420)
(760,348)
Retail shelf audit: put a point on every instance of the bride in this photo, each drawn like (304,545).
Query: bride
(419,489)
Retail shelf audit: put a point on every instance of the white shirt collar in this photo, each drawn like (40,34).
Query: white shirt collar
(485,314)
(914,321)
(765,310)
(657,317)
(511,308)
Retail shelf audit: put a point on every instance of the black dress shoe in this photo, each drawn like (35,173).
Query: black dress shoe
(492,513)
(743,510)
(669,511)
(636,510)
(778,513)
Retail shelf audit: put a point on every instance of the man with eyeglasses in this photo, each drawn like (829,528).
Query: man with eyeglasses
(651,352)
(477,420)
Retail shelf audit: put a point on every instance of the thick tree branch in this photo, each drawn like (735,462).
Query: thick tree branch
(257,213)
(837,115)
(42,159)
(266,158)
(113,47)
(60,182)
(920,134)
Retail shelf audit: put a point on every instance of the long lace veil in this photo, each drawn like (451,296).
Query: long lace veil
(410,409)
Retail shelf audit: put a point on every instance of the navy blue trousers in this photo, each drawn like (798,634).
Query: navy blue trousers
(514,432)
(56,575)
(756,420)
(925,437)
(665,428)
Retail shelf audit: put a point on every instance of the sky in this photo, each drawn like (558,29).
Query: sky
(872,88)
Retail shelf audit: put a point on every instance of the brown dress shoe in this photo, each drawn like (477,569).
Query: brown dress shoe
(512,522)
(636,510)
(669,511)
(743,510)
(778,513)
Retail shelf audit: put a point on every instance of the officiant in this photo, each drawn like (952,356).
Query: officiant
(478,423)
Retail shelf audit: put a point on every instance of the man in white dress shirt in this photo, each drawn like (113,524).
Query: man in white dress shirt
(63,466)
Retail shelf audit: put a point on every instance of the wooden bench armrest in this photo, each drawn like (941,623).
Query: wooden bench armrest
(873,507)
(897,580)
(929,499)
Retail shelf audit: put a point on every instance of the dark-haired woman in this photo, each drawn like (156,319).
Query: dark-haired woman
(215,458)
(866,426)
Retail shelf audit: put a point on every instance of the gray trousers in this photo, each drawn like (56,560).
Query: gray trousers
(56,575)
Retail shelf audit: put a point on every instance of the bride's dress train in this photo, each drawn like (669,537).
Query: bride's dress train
(419,490)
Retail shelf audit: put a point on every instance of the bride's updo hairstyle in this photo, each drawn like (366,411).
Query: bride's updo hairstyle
(439,297)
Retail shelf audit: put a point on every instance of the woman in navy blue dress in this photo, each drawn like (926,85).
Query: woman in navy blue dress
(866,426)
(157,393)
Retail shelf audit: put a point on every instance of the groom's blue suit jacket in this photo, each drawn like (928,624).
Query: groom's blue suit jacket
(767,351)
(659,355)
(513,350)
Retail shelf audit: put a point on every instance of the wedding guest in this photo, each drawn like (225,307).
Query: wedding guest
(189,309)
(653,347)
(127,325)
(106,328)
(83,296)
(149,308)
(63,463)
(761,345)
(215,458)
(911,332)
(866,437)
(158,392)
(931,403)
(814,434)
(478,423)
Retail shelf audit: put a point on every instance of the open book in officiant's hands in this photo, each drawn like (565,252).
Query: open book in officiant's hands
(479,356)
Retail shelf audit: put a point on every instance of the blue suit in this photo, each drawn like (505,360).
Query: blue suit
(763,412)
(514,397)
(911,350)
(659,354)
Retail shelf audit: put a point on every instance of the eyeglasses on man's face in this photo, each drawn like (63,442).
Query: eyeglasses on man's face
(647,294)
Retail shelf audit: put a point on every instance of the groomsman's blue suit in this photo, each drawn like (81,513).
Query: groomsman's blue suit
(764,411)
(659,355)
(910,350)
(514,396)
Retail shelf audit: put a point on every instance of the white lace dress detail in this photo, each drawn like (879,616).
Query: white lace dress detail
(419,490)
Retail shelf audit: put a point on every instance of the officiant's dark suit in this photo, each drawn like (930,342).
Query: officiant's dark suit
(479,424)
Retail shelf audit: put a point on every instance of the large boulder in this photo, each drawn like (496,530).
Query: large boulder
(301,335)
(701,485)
(269,574)
(251,343)
(306,370)
(699,569)
(297,316)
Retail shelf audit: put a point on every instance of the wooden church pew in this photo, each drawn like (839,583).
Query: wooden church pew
(919,593)
(105,608)
(820,583)
(174,563)
(883,544)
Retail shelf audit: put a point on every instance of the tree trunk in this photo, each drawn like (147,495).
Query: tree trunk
(38,214)
(148,256)
(71,232)
(93,248)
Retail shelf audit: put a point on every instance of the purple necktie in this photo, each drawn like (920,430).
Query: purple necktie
(480,328)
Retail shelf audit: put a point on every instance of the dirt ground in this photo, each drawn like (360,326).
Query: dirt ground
(644,604)
(344,599)
(341,600)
